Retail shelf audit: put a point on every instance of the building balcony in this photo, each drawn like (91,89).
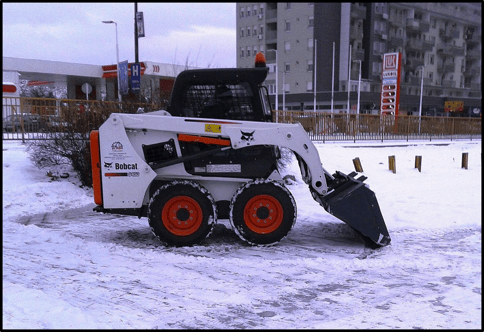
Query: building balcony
(271,36)
(395,41)
(413,44)
(356,33)
(447,34)
(452,50)
(414,80)
(473,54)
(448,84)
(474,38)
(397,21)
(427,45)
(271,15)
(413,24)
(446,68)
(358,11)
(473,70)
(475,86)
(424,26)
(358,55)
(413,63)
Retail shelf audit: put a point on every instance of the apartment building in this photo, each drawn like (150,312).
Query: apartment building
(440,45)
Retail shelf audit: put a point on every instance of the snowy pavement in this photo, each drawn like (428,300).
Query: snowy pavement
(65,266)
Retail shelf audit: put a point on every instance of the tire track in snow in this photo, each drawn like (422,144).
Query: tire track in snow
(112,266)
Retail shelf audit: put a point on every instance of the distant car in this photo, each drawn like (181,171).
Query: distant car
(14,123)
(55,123)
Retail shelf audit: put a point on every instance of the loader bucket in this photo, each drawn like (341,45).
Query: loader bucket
(354,203)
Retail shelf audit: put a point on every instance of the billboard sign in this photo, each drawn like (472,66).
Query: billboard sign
(454,106)
(390,87)
(140,24)
(135,77)
(123,77)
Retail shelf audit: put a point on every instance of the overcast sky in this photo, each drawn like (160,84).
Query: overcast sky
(202,34)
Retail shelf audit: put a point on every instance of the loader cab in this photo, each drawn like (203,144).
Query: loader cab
(221,93)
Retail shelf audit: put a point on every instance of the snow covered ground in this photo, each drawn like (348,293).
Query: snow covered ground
(65,266)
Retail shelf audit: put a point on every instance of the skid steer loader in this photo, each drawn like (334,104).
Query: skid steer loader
(213,154)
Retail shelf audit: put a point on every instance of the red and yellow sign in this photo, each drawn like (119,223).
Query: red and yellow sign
(454,106)
(390,84)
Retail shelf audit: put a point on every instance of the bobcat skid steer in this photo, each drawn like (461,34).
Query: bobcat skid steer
(214,155)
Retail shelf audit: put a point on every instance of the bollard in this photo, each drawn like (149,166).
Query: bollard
(357,164)
(418,163)
(465,160)
(391,163)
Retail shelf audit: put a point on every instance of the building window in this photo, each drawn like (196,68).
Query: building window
(378,8)
(254,10)
(310,66)
(287,47)
(287,67)
(272,68)
(311,22)
(376,48)
(248,31)
(287,26)
(288,5)
(309,86)
(248,11)
(241,32)
(382,48)
(241,12)
(310,42)
(242,52)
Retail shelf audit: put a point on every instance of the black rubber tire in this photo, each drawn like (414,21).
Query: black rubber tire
(262,212)
(182,213)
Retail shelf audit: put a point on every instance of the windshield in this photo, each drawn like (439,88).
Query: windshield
(264,97)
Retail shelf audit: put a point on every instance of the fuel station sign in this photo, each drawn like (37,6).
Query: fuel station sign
(390,84)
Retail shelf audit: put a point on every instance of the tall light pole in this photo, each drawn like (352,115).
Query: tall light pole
(117,57)
(421,95)
(349,79)
(359,90)
(277,69)
(284,89)
(136,57)
(332,84)
(315,63)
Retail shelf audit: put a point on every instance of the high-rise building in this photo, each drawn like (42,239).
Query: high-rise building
(314,42)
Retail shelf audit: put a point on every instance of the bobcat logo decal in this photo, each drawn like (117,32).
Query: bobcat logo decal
(108,165)
(247,136)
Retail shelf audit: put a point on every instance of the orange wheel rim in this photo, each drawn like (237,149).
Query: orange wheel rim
(263,214)
(182,215)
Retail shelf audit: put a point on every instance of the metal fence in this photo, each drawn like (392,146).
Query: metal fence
(41,118)
(344,127)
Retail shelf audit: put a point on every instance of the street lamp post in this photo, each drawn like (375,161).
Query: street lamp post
(359,90)
(117,58)
(421,95)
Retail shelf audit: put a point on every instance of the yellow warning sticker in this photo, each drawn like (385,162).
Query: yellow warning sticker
(213,128)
